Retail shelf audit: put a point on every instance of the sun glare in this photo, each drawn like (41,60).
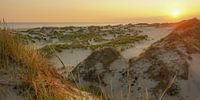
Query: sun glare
(175,12)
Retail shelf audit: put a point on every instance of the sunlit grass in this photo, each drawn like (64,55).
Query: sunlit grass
(34,70)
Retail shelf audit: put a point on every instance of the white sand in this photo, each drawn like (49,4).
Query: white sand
(154,34)
(71,57)
(191,87)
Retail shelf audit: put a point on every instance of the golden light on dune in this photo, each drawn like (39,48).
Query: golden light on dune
(175,12)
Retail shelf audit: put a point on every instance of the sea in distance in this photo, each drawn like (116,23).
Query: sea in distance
(22,25)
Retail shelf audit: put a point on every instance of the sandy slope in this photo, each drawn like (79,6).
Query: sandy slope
(154,35)
(176,54)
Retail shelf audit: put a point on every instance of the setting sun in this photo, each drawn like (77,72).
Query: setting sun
(98,10)
(176,12)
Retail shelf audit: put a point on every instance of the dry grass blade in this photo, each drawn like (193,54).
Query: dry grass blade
(35,71)
(168,87)
(53,50)
(147,95)
(102,90)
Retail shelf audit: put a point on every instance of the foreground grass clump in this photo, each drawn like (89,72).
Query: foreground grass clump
(41,79)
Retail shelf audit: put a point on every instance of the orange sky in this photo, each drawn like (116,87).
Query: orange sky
(96,10)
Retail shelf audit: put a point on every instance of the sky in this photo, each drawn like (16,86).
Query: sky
(97,10)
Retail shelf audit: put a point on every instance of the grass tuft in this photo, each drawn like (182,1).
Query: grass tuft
(42,81)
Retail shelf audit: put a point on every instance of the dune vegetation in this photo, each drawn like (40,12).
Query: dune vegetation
(34,77)
(120,41)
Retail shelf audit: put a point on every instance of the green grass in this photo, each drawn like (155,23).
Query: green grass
(59,48)
(82,37)
(121,41)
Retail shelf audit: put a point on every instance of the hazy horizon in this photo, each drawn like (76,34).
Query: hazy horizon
(98,10)
(159,19)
